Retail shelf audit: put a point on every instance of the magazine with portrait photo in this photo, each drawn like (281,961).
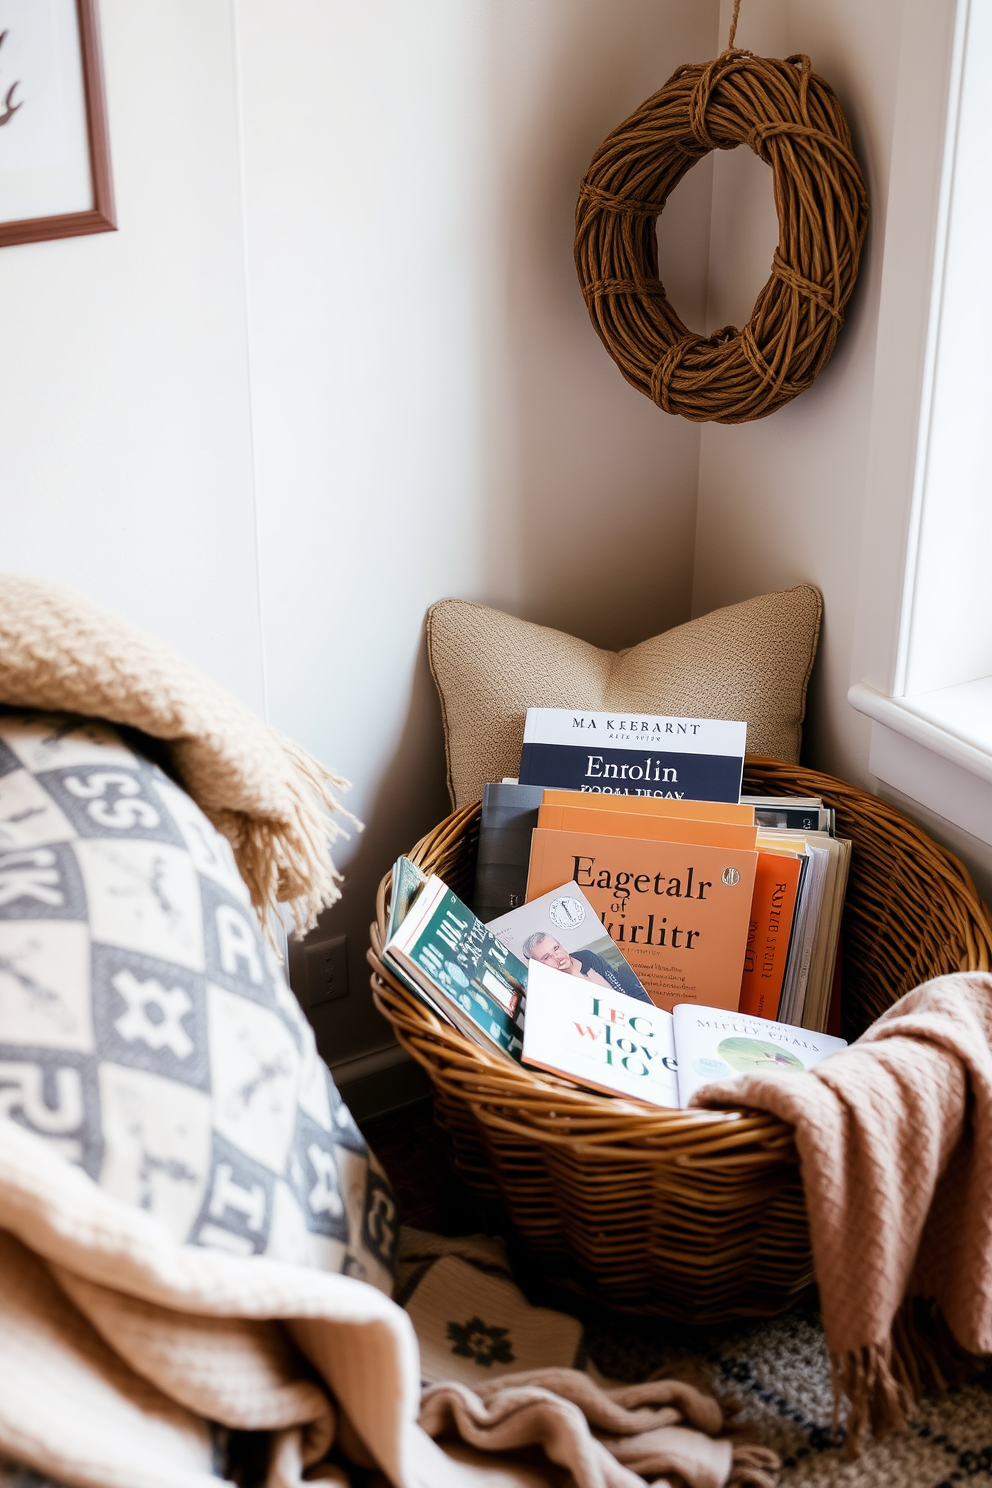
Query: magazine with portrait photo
(562,930)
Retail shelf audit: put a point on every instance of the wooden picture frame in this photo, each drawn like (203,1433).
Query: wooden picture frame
(61,153)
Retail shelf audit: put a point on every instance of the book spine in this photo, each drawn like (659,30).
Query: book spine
(535,874)
(772,906)
(836,992)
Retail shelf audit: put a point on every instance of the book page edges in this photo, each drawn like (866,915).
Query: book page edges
(721,811)
(694,830)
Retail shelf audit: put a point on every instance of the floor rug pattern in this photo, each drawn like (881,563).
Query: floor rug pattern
(778,1372)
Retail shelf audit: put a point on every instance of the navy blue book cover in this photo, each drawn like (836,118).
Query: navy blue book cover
(694,759)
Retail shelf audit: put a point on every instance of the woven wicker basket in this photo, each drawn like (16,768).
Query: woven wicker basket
(693,1216)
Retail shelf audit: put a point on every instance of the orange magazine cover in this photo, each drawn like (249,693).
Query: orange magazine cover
(776,882)
(724,811)
(679,911)
(576,818)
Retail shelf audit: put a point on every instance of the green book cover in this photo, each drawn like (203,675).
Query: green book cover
(407,884)
(472,969)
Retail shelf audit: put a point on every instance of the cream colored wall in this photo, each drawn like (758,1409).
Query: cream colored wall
(432,413)
(335,365)
(783,500)
(824,489)
(125,436)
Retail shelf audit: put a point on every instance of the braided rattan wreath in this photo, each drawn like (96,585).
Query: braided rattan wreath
(792,120)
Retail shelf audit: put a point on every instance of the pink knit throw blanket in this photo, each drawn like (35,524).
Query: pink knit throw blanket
(895,1142)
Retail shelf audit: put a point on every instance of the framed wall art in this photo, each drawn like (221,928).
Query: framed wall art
(54,155)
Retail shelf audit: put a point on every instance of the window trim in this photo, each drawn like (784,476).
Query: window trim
(950,722)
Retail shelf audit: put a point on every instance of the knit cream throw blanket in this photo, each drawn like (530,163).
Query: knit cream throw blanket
(271,800)
(895,1140)
(119,1347)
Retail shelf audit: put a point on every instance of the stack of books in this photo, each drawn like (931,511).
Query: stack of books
(623,879)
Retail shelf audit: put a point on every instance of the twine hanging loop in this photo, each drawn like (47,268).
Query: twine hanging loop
(733,26)
(793,121)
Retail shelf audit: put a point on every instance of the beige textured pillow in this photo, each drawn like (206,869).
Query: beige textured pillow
(748,661)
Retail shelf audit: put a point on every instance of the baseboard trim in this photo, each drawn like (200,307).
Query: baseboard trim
(356,1068)
(380,1082)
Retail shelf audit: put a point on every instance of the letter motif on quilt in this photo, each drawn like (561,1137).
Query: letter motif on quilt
(30,875)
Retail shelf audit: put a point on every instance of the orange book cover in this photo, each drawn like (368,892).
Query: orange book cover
(776,882)
(723,811)
(678,910)
(576,818)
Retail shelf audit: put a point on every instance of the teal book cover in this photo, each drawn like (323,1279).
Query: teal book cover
(407,884)
(475,970)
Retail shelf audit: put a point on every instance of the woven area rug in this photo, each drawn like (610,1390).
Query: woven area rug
(777,1371)
(472,1323)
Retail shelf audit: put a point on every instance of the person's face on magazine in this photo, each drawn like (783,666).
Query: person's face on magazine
(553,954)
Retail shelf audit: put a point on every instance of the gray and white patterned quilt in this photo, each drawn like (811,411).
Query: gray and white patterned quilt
(146,1028)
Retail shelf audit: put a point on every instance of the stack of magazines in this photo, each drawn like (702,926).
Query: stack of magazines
(629,935)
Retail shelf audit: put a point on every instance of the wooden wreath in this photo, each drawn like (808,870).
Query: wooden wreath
(792,120)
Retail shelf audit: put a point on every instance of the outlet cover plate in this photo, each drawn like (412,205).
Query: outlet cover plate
(326,965)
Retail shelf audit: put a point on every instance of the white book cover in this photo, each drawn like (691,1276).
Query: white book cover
(640,731)
(716,1045)
(599,1038)
(562,930)
(627,754)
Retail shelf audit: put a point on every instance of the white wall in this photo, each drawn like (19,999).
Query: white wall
(335,365)
(782,500)
(125,440)
(824,490)
(432,414)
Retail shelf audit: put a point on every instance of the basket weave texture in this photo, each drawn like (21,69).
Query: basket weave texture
(696,1216)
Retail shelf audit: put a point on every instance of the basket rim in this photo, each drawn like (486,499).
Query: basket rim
(557,1114)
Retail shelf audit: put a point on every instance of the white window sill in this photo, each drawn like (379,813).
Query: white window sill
(936,748)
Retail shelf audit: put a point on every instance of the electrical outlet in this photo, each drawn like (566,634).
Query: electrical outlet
(327,970)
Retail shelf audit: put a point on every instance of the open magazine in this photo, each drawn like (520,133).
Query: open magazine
(611,1043)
